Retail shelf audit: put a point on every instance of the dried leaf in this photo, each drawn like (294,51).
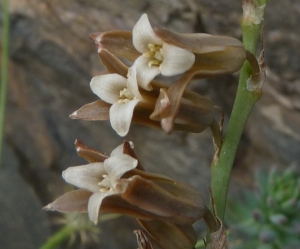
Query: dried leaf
(218,239)
(142,240)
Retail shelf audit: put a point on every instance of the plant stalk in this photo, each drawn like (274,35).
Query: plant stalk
(58,238)
(244,102)
(4,69)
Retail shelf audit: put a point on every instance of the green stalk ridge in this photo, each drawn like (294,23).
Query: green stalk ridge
(58,238)
(4,69)
(244,102)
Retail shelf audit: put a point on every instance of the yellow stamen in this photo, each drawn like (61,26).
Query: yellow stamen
(154,63)
(155,55)
(125,96)
(103,190)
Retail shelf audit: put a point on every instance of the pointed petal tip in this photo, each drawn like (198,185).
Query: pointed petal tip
(95,222)
(47,207)
(94,205)
(142,34)
(73,115)
(78,142)
(79,145)
(167,125)
(63,174)
(121,116)
(122,133)
(96,37)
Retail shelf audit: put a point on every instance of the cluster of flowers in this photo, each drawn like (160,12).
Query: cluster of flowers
(165,209)
(131,94)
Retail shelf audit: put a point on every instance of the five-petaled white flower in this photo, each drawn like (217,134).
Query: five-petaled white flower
(157,56)
(101,178)
(122,93)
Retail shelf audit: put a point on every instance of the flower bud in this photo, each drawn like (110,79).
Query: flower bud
(214,55)
(118,42)
(165,198)
(168,235)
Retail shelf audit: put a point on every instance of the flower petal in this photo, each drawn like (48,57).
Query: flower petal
(85,176)
(118,150)
(120,116)
(143,34)
(107,87)
(95,203)
(144,73)
(117,165)
(132,84)
(127,149)
(176,60)
(74,201)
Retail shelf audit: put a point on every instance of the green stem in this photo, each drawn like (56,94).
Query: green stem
(4,68)
(244,102)
(58,238)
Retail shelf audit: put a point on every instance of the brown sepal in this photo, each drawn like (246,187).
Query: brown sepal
(89,154)
(98,110)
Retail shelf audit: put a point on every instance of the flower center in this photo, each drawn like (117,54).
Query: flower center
(155,55)
(105,185)
(125,96)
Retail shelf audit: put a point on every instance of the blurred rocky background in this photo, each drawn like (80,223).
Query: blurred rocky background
(51,64)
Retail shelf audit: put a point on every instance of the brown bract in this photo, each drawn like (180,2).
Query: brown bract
(118,42)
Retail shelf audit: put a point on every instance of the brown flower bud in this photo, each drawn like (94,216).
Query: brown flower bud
(168,235)
(118,42)
(214,55)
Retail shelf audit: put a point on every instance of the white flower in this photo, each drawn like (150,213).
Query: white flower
(157,56)
(102,179)
(122,93)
